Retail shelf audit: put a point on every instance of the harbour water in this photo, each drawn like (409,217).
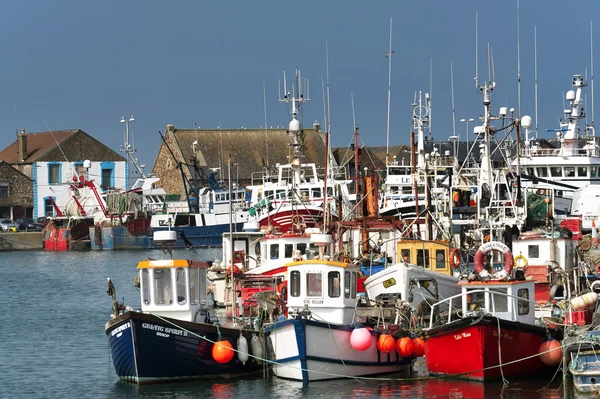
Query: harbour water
(53,343)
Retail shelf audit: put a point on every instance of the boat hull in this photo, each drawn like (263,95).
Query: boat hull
(584,354)
(146,349)
(308,350)
(468,348)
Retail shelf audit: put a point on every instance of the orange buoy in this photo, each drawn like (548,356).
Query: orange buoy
(550,352)
(404,346)
(386,343)
(222,351)
(418,347)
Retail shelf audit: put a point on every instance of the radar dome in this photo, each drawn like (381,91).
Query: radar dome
(526,121)
(570,95)
(294,125)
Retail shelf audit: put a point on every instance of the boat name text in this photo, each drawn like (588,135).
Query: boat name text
(162,331)
(461,336)
(119,330)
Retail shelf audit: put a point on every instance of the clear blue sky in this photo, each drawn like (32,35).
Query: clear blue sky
(81,64)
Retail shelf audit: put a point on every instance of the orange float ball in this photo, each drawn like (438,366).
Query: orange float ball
(222,351)
(418,347)
(550,352)
(404,346)
(386,343)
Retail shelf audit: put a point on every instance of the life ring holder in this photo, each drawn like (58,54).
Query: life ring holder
(455,259)
(297,220)
(520,258)
(485,249)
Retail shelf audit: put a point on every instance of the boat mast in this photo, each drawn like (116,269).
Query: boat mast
(389,99)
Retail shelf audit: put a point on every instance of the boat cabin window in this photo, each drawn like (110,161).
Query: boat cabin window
(295,283)
(145,286)
(330,192)
(314,284)
(268,194)
(569,171)
(582,171)
(316,192)
(194,291)
(301,248)
(274,251)
(333,284)
(281,194)
(288,250)
(181,285)
(353,285)
(440,259)
(475,300)
(533,251)
(162,287)
(423,258)
(499,302)
(542,172)
(523,305)
(556,171)
(347,284)
(304,194)
(530,171)
(405,253)
(407,190)
(593,171)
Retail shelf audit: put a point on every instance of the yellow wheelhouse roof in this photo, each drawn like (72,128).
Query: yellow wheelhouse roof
(168,263)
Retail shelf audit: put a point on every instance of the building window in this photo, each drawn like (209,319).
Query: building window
(79,170)
(4,193)
(48,207)
(54,173)
(107,176)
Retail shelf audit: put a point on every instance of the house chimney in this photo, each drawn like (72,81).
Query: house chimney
(22,146)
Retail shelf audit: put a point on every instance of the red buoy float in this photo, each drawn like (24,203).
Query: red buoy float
(404,346)
(386,343)
(550,352)
(222,351)
(418,347)
(360,338)
(485,249)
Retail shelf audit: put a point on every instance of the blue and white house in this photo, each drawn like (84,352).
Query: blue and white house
(53,159)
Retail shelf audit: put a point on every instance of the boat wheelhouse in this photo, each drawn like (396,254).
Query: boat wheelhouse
(496,334)
(314,342)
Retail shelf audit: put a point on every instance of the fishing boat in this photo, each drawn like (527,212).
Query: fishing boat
(314,342)
(296,193)
(493,332)
(423,274)
(176,335)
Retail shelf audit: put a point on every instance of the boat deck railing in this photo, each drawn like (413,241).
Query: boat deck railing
(449,301)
